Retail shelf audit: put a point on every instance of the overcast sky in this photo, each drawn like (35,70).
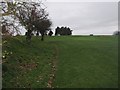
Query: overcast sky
(84,17)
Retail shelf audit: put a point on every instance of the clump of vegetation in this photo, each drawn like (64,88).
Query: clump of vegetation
(116,33)
(63,31)
(91,34)
(26,66)
(50,33)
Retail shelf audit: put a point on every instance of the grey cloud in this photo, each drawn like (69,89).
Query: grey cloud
(101,17)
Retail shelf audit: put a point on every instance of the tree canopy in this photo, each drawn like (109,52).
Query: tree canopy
(116,33)
(31,15)
(63,31)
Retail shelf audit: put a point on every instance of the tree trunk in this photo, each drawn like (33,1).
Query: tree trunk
(37,34)
(28,36)
(42,38)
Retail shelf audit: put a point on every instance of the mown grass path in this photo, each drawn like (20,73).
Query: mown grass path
(87,62)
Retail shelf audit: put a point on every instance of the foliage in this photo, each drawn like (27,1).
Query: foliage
(116,33)
(42,26)
(30,15)
(26,66)
(91,34)
(50,33)
(63,31)
(8,17)
(34,18)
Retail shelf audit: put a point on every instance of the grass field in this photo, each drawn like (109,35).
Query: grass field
(62,62)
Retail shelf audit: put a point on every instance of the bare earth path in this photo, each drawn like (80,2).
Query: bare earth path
(54,68)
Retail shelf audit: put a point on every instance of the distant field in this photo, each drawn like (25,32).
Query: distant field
(79,61)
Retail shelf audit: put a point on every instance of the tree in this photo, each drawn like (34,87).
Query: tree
(63,31)
(34,18)
(28,14)
(42,25)
(50,33)
(37,34)
(4,30)
(91,34)
(56,31)
(8,18)
(116,33)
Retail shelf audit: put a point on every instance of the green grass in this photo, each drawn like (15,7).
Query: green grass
(82,62)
